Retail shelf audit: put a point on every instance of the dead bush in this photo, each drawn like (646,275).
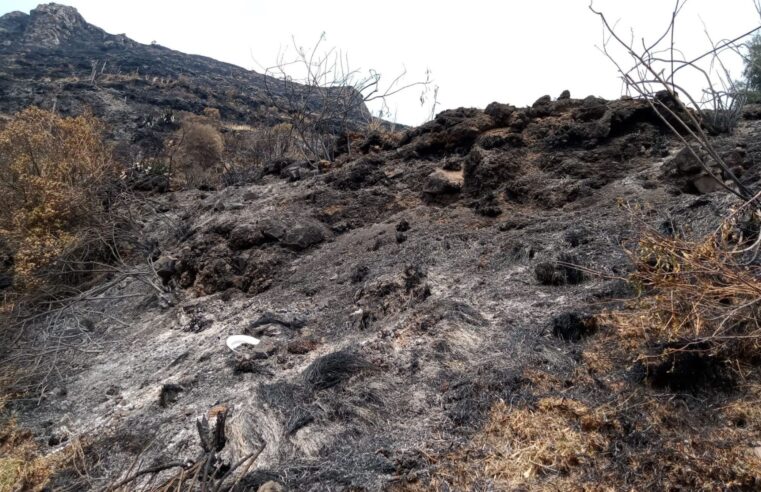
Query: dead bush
(212,114)
(325,98)
(251,148)
(700,296)
(195,153)
(55,173)
(259,145)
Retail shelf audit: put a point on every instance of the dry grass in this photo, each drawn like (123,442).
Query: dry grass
(22,466)
(699,293)
(521,454)
(667,394)
(638,440)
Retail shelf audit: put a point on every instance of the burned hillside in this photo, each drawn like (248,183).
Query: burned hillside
(470,304)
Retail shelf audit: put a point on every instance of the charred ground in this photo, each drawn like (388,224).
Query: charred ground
(421,302)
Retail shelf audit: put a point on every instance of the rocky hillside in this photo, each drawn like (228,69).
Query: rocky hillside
(429,306)
(54,59)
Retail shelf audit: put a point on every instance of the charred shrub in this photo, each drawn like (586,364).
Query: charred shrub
(685,371)
(564,271)
(573,326)
(333,369)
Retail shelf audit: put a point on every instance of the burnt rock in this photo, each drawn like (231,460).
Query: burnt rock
(544,100)
(58,436)
(169,394)
(705,184)
(246,236)
(301,346)
(486,171)
(496,141)
(302,236)
(273,229)
(684,163)
(358,174)
(573,326)
(500,113)
(688,370)
(263,350)
(6,280)
(542,107)
(246,364)
(165,268)
(454,130)
(592,108)
(577,236)
(487,206)
(359,273)
(441,183)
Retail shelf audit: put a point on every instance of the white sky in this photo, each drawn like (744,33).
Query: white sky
(478,51)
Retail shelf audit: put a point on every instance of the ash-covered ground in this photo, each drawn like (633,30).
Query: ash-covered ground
(398,294)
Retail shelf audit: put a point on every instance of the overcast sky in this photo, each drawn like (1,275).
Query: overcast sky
(478,51)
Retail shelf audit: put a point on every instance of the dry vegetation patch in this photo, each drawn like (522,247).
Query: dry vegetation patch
(666,394)
(54,174)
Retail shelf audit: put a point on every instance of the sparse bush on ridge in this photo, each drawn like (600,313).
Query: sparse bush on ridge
(328,98)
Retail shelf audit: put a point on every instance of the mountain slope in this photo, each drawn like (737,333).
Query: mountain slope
(427,307)
(53,58)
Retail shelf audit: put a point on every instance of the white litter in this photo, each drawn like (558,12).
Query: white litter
(235,341)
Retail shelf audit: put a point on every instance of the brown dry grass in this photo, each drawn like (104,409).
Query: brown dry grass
(607,426)
(637,441)
(22,466)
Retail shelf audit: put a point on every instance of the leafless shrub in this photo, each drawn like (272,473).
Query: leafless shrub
(248,149)
(328,97)
(650,71)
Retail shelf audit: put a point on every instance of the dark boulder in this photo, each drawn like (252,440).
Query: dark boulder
(440,183)
(246,236)
(500,113)
(302,236)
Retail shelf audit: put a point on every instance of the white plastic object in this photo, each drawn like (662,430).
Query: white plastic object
(235,341)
